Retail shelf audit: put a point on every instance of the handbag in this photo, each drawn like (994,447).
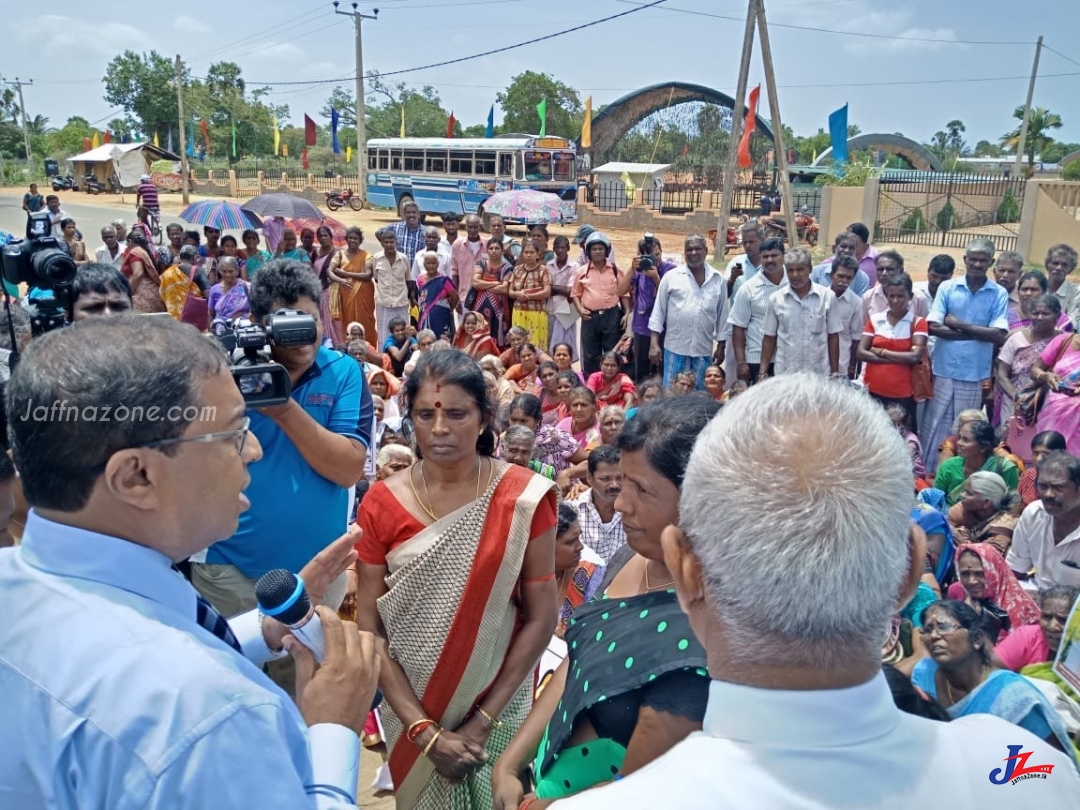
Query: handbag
(1029,400)
(196,309)
(922,379)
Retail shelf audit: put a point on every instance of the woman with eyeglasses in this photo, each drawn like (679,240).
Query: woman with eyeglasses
(965,678)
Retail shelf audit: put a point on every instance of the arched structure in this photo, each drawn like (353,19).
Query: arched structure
(619,117)
(1069,158)
(914,153)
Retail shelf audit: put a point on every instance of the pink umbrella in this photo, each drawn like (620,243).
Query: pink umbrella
(336,228)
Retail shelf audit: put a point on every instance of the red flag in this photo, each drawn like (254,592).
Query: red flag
(450,126)
(748,129)
(303,159)
(309,131)
(108,137)
(205,134)
(87,144)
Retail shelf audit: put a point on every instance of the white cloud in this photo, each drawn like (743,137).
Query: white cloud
(65,39)
(895,29)
(190,25)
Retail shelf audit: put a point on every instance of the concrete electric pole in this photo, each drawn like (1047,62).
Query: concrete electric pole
(361,125)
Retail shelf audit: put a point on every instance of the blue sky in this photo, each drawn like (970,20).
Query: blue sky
(65,52)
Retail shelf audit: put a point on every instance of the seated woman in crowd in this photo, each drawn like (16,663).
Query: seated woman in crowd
(399,345)
(715,383)
(1036,644)
(1058,369)
(1046,442)
(1022,348)
(582,423)
(384,384)
(578,578)
(563,356)
(987,512)
(649,390)
(683,383)
(474,337)
(612,420)
(516,447)
(901,419)
(1029,288)
(554,445)
(976,445)
(962,675)
(634,683)
(988,587)
(522,375)
(611,386)
(504,389)
(940,546)
(551,403)
(947,449)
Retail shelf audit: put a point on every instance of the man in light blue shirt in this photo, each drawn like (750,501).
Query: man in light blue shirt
(969,318)
(119,687)
(844,245)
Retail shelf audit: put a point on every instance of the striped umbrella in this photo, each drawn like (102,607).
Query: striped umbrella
(288,206)
(336,228)
(220,214)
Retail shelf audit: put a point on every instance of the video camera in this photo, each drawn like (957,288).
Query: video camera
(263,382)
(646,261)
(43,261)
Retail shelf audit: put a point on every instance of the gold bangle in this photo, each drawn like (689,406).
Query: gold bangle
(431,742)
(487,718)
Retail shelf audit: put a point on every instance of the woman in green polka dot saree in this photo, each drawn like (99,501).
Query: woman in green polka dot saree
(634,681)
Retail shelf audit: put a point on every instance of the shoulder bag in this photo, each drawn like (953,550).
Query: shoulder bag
(196,310)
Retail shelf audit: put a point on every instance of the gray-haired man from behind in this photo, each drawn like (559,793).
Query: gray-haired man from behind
(789,583)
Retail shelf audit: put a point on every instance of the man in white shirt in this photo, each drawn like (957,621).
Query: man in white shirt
(432,244)
(746,322)
(849,310)
(791,613)
(103,635)
(751,234)
(111,253)
(465,254)
(1060,262)
(1047,536)
(56,215)
(802,327)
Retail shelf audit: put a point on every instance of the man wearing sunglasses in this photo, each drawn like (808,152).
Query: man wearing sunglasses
(133,445)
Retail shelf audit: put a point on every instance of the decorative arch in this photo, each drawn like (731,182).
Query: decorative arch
(1069,158)
(914,153)
(619,117)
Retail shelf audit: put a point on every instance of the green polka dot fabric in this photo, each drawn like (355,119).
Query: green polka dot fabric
(614,648)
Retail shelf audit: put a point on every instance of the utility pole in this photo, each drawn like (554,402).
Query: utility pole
(727,193)
(1027,111)
(361,124)
(183,130)
(18,85)
(777,126)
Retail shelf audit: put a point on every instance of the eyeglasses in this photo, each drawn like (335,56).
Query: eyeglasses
(238,436)
(941,628)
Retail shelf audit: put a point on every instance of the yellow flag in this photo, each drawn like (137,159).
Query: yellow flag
(586,126)
(402,135)
(284,150)
(95,141)
(277,137)
(348,154)
(631,189)
(158,145)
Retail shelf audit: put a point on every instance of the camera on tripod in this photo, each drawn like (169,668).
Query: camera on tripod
(263,382)
(43,261)
(646,261)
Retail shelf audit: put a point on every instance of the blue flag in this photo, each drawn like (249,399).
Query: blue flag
(334,120)
(191,138)
(490,131)
(168,143)
(838,133)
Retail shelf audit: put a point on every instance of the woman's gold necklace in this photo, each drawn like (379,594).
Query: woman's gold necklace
(948,686)
(428,511)
(649,587)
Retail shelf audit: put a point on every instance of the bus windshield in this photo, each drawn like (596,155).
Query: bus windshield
(537,165)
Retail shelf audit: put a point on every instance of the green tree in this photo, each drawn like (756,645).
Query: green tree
(1038,135)
(425,116)
(1056,150)
(946,217)
(985,149)
(144,85)
(1071,171)
(1009,210)
(526,90)
(68,140)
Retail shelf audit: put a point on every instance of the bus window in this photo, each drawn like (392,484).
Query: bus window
(564,166)
(485,164)
(537,165)
(506,164)
(396,161)
(372,160)
(384,159)
(436,162)
(414,160)
(461,163)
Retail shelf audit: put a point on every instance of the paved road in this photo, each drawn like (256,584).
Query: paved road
(89,218)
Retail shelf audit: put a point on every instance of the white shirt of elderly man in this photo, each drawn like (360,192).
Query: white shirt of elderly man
(792,613)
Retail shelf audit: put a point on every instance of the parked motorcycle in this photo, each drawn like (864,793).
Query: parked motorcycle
(93,185)
(65,183)
(806,227)
(339,198)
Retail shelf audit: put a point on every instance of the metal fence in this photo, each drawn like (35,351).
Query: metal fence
(673,200)
(611,196)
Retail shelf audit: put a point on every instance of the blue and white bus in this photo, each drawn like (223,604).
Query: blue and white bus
(458,174)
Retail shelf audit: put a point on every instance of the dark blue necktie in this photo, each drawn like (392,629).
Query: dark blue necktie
(210,619)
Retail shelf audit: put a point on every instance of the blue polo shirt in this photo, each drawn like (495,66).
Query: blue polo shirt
(295,512)
(967,360)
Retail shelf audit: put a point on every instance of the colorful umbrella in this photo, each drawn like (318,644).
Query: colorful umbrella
(288,206)
(525,205)
(219,214)
(336,228)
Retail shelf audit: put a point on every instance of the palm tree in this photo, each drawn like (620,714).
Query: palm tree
(38,125)
(1040,123)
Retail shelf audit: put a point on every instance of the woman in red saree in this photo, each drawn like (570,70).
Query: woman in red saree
(457,582)
(610,385)
(474,337)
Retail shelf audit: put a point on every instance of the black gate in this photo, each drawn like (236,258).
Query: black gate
(949,210)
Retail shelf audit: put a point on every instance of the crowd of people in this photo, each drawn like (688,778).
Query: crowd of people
(583,500)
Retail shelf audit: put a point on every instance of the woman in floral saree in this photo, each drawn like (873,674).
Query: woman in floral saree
(457,581)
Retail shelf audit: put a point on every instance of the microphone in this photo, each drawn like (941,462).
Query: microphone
(281,595)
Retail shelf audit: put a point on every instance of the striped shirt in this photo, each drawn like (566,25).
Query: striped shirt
(748,312)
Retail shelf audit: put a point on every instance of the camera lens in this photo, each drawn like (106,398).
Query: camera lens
(54,267)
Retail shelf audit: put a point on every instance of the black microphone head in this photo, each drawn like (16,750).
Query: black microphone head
(276,593)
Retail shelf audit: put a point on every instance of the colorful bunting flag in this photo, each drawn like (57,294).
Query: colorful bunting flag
(108,137)
(95,142)
(304,159)
(310,131)
(402,133)
(838,135)
(284,150)
(745,159)
(335,119)
(541,110)
(87,144)
(205,135)
(489,132)
(586,125)
(450,125)
(158,145)
(234,139)
(277,137)
(168,141)
(348,154)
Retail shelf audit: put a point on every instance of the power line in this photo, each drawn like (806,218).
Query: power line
(1063,56)
(251,38)
(818,30)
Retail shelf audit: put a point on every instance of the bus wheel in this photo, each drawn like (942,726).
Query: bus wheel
(405,200)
